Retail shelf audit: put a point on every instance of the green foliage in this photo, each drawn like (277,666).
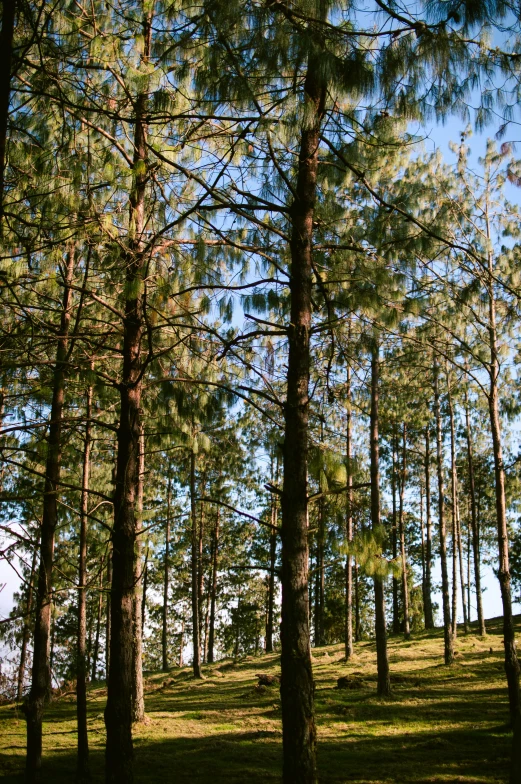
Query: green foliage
(368,547)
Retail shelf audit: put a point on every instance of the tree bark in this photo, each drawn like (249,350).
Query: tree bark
(182,642)
(138,700)
(206,624)
(200,564)
(474,523)
(509,638)
(119,767)
(358,620)
(107,615)
(297,687)
(394,539)
(166,584)
(469,558)
(321,541)
(95,651)
(83,772)
(118,711)
(196,662)
(348,627)
(53,637)
(237,626)
(26,630)
(88,641)
(316,592)
(454,492)
(311,587)
(403,553)
(382,661)
(423,548)
(429,616)
(321,572)
(213,595)
(41,671)
(461,569)
(447,628)
(271,576)
(144,595)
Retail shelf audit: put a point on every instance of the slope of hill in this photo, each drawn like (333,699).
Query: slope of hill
(441,725)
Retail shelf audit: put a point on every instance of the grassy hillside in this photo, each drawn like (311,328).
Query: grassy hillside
(441,725)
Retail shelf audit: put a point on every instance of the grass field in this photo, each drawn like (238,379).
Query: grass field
(441,725)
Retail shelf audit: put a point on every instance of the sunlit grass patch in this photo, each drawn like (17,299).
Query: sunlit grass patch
(442,724)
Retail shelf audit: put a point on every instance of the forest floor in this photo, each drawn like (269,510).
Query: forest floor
(442,724)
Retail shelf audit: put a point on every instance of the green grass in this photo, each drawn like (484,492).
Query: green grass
(441,724)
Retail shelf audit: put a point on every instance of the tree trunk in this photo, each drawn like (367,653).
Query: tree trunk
(447,629)
(164,635)
(321,540)
(266,612)
(118,712)
(297,687)
(469,557)
(509,638)
(41,671)
(26,630)
(213,595)
(394,538)
(429,616)
(196,663)
(6,61)
(382,661)
(95,651)
(311,587)
(348,626)
(144,595)
(454,490)
(474,524)
(422,548)
(53,637)
(237,627)
(316,572)
(206,624)
(138,700)
(182,642)
(461,569)
(83,772)
(403,553)
(200,564)
(88,651)
(271,576)
(358,621)
(107,615)
(119,708)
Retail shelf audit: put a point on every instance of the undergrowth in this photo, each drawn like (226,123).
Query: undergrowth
(442,724)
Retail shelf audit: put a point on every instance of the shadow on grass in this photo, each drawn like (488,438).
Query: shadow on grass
(256,757)
(442,724)
(231,695)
